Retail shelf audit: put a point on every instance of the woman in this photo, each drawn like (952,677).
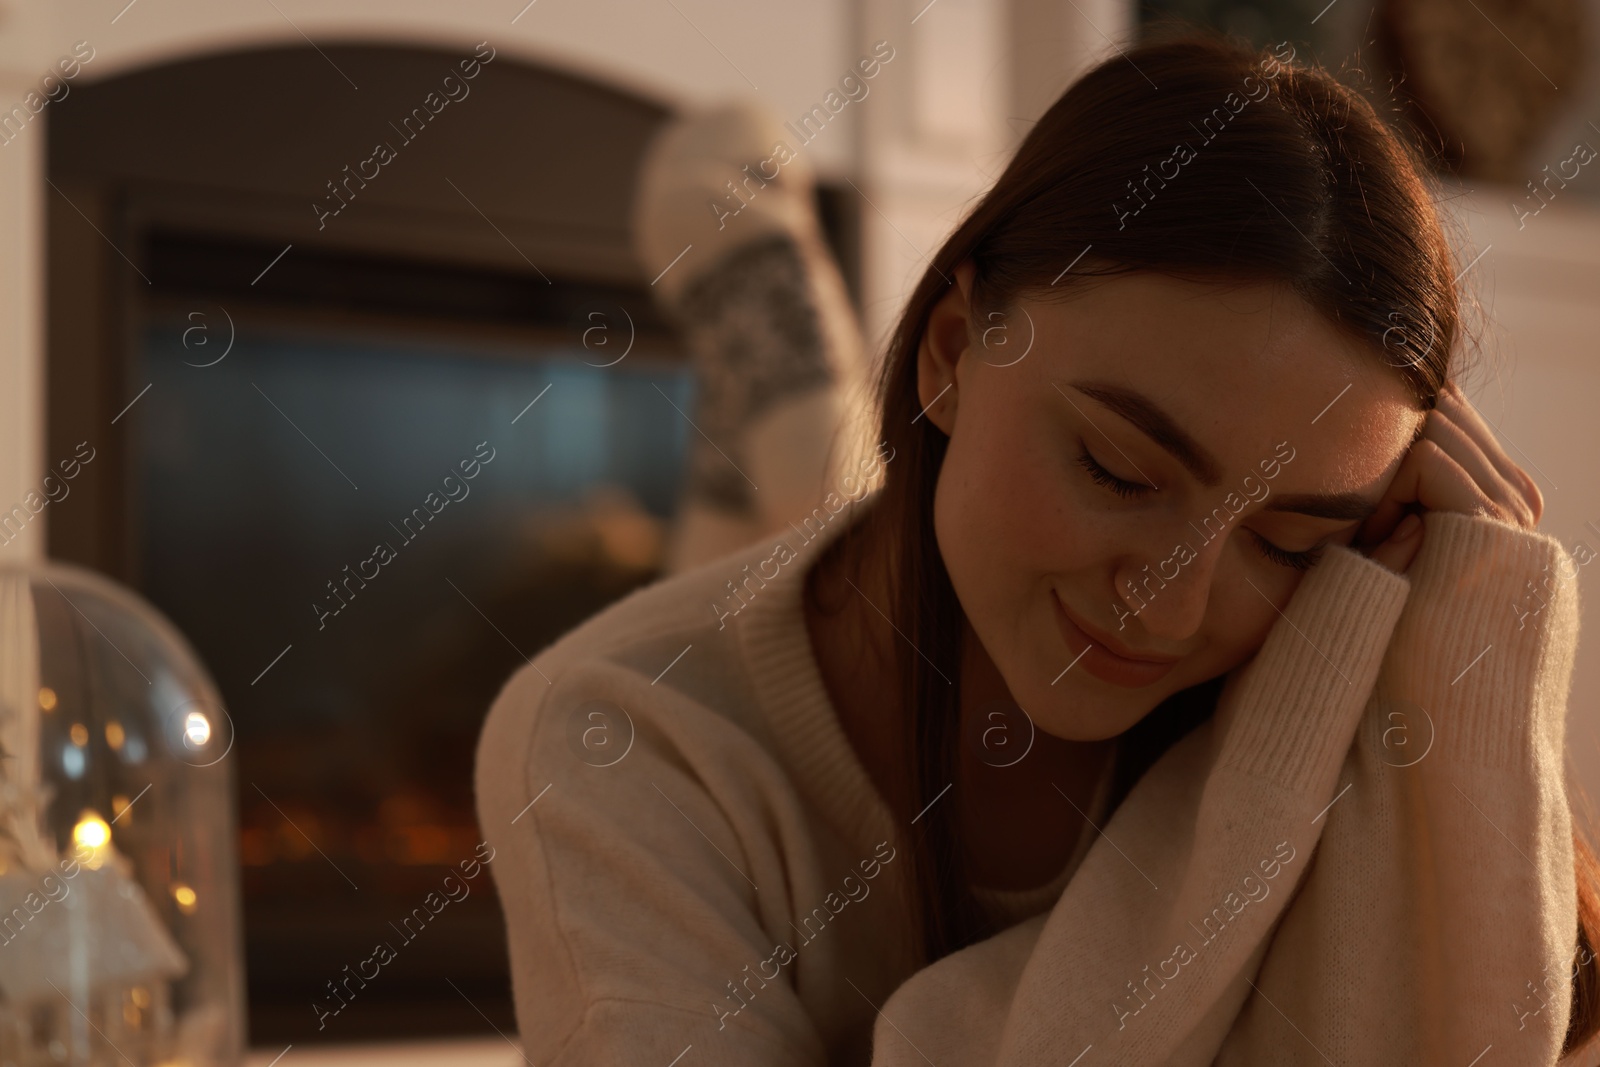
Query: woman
(1168,702)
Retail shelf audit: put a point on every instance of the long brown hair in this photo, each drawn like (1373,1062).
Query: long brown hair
(1291,177)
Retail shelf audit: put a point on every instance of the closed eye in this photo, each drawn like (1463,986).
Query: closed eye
(1121,486)
(1300,561)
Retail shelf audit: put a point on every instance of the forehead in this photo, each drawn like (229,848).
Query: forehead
(1240,366)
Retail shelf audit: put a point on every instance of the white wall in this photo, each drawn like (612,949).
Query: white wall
(676,51)
(1538,382)
(22,461)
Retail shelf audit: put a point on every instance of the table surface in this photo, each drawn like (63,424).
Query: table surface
(466,1052)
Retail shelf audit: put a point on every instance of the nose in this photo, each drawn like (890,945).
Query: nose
(1167,593)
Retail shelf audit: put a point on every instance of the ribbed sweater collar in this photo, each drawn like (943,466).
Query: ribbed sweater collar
(788,682)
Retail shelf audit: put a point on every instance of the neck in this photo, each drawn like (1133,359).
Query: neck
(1013,793)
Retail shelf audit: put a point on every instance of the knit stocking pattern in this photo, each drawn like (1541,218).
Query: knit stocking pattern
(756,339)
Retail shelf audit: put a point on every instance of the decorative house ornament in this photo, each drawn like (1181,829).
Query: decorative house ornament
(119,898)
(1488,77)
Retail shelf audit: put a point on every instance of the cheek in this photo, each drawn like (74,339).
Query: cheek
(972,521)
(1002,509)
(1239,617)
(1012,527)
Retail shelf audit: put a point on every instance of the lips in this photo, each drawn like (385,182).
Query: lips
(1105,658)
(1110,644)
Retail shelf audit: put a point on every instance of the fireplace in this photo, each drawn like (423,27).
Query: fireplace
(372,428)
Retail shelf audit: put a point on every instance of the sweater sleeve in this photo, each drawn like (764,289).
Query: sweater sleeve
(1439,919)
(1148,955)
(640,858)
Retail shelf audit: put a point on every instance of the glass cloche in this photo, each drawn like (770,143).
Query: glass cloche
(119,896)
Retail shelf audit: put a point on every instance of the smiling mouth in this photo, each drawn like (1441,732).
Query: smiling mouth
(1104,659)
(1111,646)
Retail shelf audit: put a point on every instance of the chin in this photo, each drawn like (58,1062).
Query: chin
(1098,709)
(1088,717)
(1079,706)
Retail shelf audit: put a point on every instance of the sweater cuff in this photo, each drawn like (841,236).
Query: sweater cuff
(1487,643)
(1290,712)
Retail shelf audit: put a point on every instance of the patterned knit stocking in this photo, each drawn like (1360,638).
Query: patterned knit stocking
(724,220)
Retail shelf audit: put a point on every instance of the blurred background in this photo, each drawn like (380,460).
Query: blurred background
(273,368)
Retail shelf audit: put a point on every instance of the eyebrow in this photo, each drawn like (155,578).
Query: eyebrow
(1161,428)
(1349,507)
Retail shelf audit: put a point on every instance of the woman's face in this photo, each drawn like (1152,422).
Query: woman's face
(1142,462)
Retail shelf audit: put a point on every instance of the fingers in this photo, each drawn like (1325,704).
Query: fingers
(1444,485)
(1400,549)
(1402,492)
(1455,404)
(1509,503)
(1527,504)
(1457,465)
(1431,479)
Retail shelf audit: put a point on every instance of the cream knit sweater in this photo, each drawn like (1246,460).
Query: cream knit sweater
(1363,858)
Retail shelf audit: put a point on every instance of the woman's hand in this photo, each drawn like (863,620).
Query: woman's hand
(1456,466)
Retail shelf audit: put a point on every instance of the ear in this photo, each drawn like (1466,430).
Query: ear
(944,340)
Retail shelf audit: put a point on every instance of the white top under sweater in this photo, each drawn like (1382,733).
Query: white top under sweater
(713,878)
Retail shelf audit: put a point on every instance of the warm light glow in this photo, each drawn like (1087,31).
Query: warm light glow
(141,996)
(114,734)
(196,729)
(47,698)
(92,833)
(80,734)
(119,804)
(184,896)
(91,830)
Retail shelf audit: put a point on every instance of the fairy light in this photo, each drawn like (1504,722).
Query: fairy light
(185,896)
(196,729)
(92,835)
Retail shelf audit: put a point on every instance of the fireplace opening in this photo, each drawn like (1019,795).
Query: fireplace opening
(364,528)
